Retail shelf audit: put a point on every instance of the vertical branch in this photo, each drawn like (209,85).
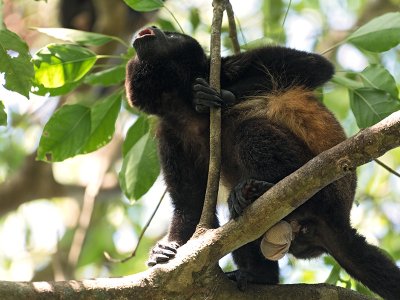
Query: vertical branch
(210,200)
(232,28)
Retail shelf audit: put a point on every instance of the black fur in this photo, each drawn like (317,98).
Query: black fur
(160,81)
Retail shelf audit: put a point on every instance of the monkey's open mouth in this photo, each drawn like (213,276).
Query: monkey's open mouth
(145,32)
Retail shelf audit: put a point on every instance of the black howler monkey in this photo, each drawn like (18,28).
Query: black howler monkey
(272,124)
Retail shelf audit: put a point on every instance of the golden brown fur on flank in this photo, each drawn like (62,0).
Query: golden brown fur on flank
(298,110)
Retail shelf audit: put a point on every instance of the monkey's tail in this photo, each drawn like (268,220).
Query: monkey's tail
(364,262)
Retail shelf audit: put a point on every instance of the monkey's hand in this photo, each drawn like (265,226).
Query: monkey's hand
(206,97)
(162,252)
(245,193)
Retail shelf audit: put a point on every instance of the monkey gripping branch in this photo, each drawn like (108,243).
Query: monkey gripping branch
(190,274)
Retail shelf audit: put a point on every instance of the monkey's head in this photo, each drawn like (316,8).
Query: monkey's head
(153,44)
(166,63)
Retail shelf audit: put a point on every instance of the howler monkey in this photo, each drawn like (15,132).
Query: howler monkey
(272,124)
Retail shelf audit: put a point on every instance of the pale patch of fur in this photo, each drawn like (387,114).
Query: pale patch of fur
(299,111)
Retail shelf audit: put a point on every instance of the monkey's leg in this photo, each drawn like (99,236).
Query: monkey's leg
(254,267)
(363,261)
(185,174)
(267,153)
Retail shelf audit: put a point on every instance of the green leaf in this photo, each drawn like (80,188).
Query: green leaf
(103,117)
(144,5)
(140,168)
(346,82)
(60,64)
(15,63)
(379,34)
(334,276)
(107,77)
(371,105)
(65,133)
(376,76)
(137,130)
(39,89)
(77,36)
(3,115)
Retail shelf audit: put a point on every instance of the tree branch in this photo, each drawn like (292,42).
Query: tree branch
(232,28)
(210,200)
(138,287)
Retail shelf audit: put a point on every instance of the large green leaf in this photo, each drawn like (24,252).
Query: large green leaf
(3,115)
(371,105)
(65,133)
(60,64)
(107,77)
(144,5)
(103,117)
(376,76)
(15,63)
(379,34)
(140,168)
(137,130)
(77,36)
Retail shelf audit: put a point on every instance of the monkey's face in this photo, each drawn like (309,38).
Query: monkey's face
(157,46)
(164,68)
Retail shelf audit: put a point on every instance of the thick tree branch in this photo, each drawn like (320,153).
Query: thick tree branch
(138,287)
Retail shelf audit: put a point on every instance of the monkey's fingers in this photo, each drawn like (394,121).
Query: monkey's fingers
(203,101)
(205,89)
(201,81)
(162,253)
(237,203)
(253,188)
(171,246)
(157,259)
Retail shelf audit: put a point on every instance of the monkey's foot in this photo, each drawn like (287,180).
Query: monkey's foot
(243,278)
(245,193)
(162,252)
